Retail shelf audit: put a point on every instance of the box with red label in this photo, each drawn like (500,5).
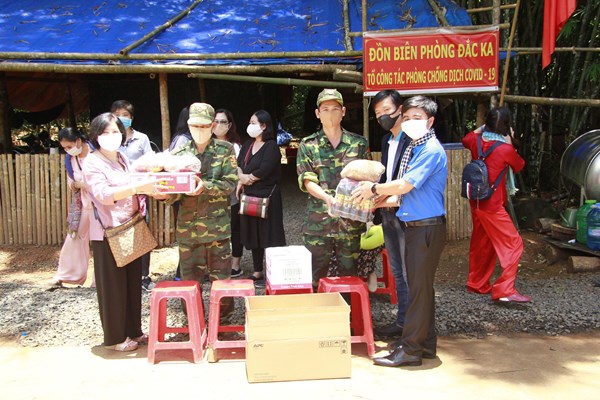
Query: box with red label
(289,267)
(170,182)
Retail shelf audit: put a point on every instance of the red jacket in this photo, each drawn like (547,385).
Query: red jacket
(499,158)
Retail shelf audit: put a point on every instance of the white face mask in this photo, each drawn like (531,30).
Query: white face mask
(254,130)
(74,151)
(415,128)
(110,141)
(221,130)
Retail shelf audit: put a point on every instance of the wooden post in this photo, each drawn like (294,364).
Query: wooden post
(583,264)
(164,110)
(482,110)
(70,109)
(5,137)
(366,118)
(202,89)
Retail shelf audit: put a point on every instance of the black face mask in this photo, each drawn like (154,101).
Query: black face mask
(387,122)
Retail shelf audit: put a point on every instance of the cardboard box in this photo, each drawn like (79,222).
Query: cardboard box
(289,267)
(297,337)
(171,182)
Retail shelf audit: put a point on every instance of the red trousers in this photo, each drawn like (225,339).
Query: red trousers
(494,237)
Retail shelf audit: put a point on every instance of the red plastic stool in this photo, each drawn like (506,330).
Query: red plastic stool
(388,280)
(361,322)
(269,291)
(220,289)
(190,292)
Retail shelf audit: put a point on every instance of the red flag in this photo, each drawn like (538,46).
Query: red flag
(556,13)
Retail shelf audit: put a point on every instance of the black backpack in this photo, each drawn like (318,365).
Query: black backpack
(475,185)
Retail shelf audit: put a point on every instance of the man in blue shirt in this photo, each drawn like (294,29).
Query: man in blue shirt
(420,196)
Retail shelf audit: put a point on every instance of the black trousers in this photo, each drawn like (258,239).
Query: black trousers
(119,295)
(423,248)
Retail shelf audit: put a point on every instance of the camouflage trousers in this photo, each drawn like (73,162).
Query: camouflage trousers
(197,259)
(344,251)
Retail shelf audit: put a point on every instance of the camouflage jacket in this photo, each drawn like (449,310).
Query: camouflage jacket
(319,162)
(206,217)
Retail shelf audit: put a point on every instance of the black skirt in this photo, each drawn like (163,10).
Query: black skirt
(259,233)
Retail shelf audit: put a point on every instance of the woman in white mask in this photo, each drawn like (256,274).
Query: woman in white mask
(136,145)
(114,199)
(225,129)
(259,172)
(75,253)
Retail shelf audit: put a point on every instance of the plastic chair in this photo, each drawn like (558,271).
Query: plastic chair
(190,292)
(219,290)
(360,321)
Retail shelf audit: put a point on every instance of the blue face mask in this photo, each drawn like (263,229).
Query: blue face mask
(126,122)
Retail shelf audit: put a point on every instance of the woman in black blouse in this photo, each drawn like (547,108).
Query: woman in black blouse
(259,171)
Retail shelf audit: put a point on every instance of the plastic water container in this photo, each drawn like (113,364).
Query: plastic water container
(593,227)
(581,234)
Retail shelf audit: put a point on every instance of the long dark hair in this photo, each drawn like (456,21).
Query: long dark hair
(498,121)
(264,117)
(71,135)
(232,134)
(100,123)
(182,125)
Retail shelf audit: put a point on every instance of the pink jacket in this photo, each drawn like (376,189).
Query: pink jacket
(104,178)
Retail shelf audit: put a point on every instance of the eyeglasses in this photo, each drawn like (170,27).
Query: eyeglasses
(222,121)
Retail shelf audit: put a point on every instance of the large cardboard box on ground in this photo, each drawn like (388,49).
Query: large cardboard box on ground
(289,267)
(297,337)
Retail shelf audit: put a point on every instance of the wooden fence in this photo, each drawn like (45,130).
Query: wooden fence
(458,214)
(35,199)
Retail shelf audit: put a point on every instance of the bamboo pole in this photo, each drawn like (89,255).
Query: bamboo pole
(64,196)
(363,14)
(552,101)
(174,69)
(347,76)
(20,203)
(38,201)
(438,13)
(12,197)
(347,39)
(28,201)
(280,81)
(435,30)
(13,55)
(4,189)
(366,132)
(164,110)
(47,200)
(507,63)
(161,28)
(483,9)
(536,50)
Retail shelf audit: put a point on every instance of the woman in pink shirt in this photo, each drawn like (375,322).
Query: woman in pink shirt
(106,173)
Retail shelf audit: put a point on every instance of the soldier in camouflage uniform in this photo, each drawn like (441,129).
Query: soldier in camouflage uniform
(203,221)
(321,158)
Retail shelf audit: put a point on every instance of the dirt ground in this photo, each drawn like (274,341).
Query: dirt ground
(37,264)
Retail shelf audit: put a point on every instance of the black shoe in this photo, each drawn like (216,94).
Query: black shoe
(236,272)
(389,330)
(397,358)
(429,354)
(258,282)
(147,283)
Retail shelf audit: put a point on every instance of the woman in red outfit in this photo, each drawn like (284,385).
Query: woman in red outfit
(494,234)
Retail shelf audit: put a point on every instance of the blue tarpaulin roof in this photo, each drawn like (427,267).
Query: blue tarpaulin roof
(214,26)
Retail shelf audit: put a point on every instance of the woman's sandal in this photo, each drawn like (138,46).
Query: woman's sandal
(127,345)
(141,339)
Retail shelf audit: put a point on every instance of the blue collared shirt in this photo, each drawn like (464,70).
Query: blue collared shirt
(427,172)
